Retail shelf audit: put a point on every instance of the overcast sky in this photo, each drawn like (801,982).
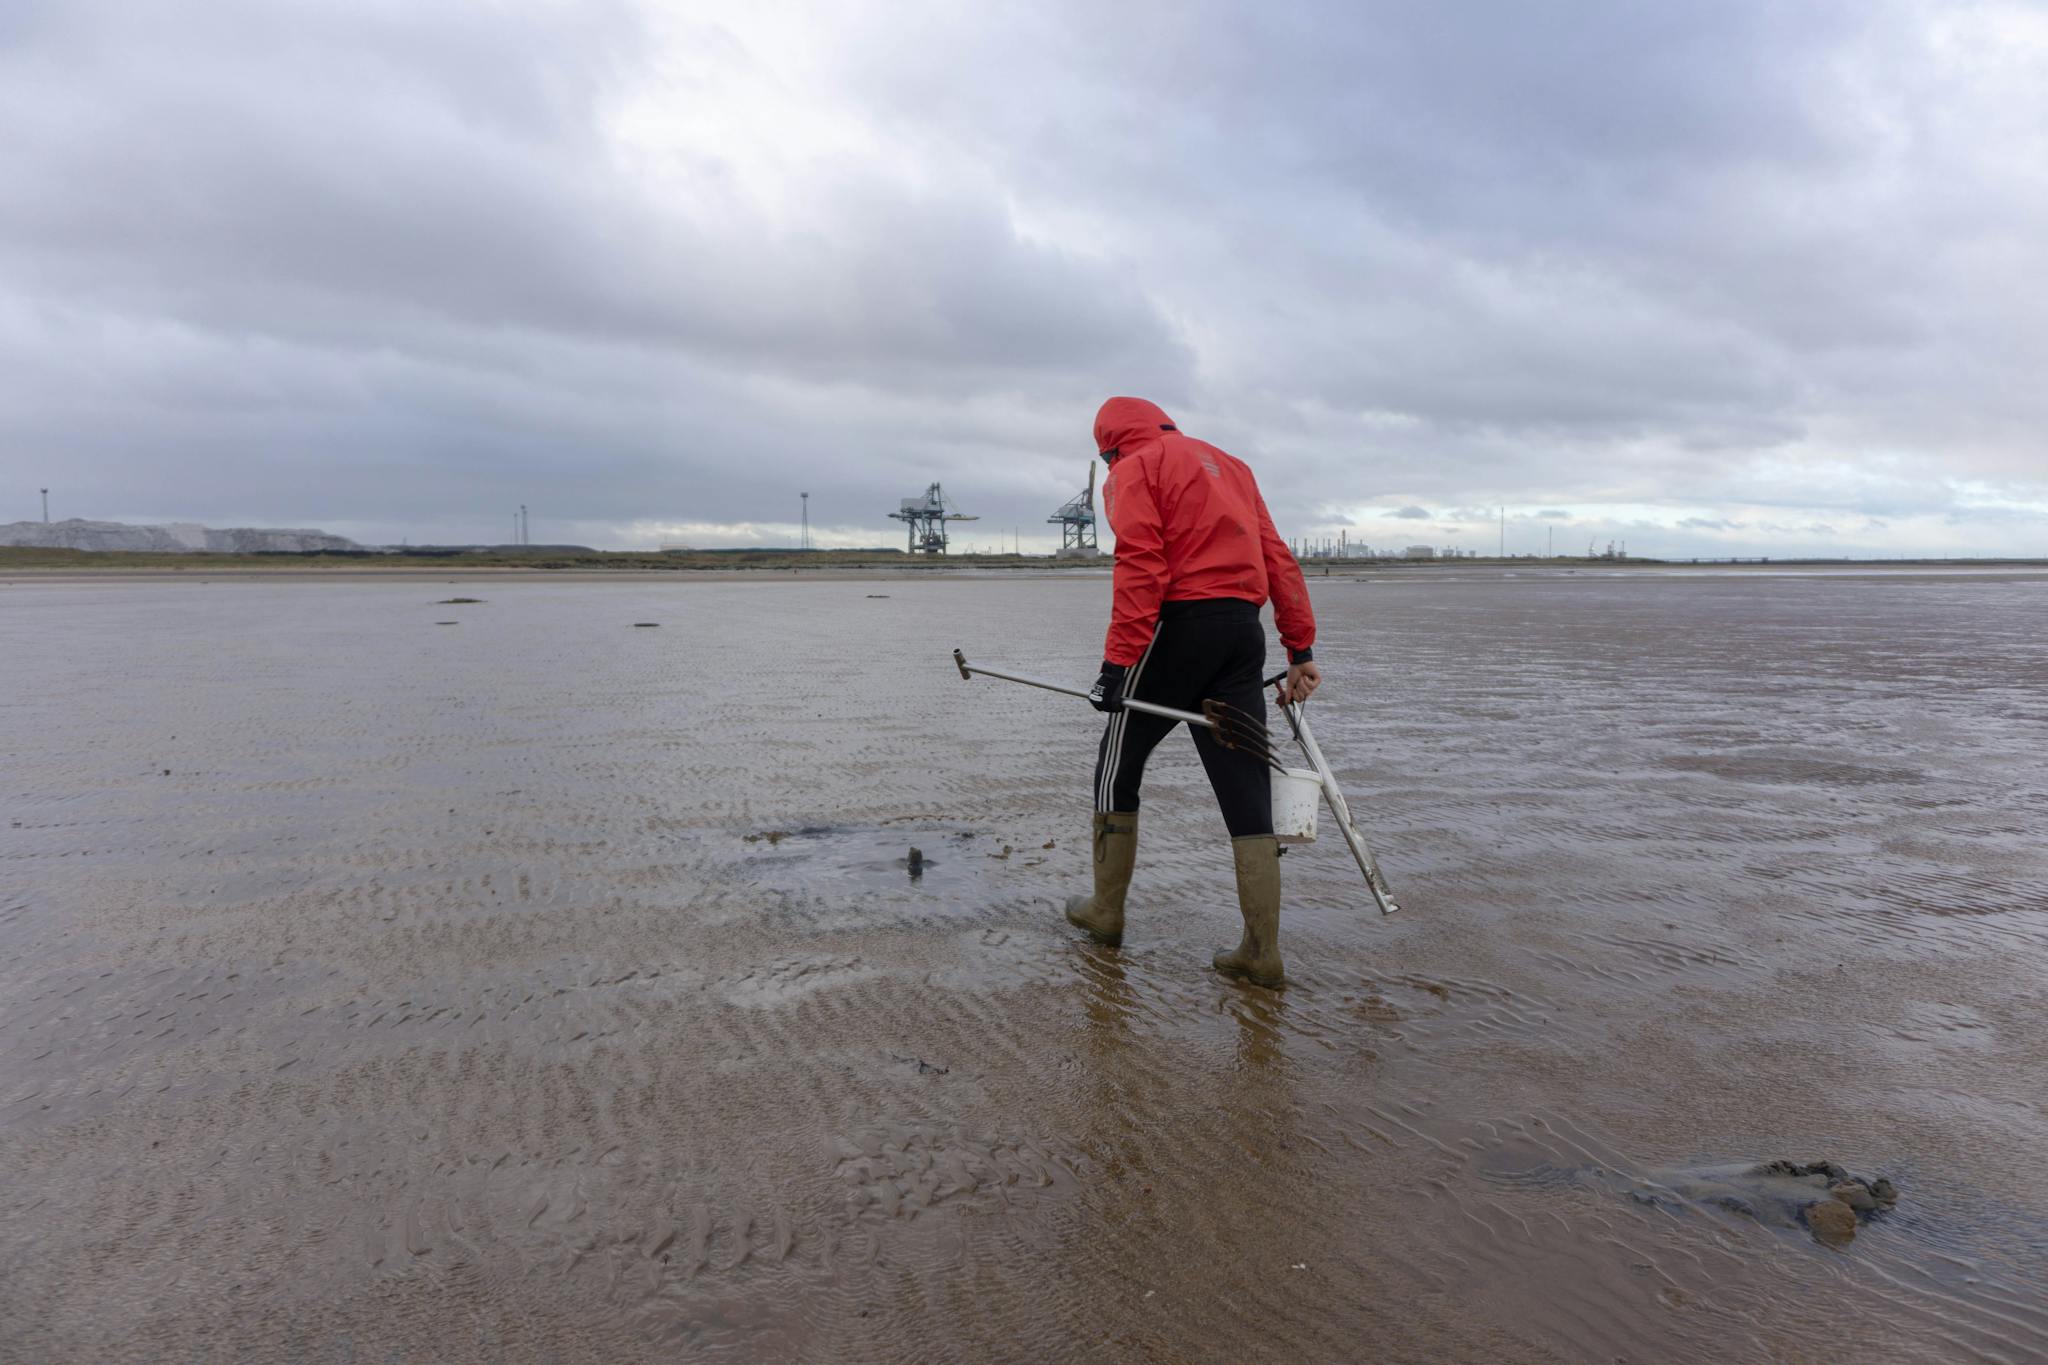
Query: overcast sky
(1708,276)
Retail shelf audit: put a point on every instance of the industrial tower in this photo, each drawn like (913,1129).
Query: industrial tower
(1076,520)
(927,517)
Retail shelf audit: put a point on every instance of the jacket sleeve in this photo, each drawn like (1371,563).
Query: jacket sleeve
(1140,579)
(1289,593)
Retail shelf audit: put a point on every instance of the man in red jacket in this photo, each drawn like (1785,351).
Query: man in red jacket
(1196,557)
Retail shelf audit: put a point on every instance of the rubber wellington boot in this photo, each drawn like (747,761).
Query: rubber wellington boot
(1116,853)
(1257,958)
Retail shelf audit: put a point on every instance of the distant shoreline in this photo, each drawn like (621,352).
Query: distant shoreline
(24,563)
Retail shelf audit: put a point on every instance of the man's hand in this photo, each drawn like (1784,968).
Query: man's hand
(1108,692)
(1302,681)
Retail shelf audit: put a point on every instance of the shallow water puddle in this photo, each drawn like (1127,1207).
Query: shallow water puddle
(834,860)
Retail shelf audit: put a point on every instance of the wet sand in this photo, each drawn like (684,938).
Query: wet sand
(377,989)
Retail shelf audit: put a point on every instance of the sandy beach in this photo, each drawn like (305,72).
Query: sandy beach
(385,979)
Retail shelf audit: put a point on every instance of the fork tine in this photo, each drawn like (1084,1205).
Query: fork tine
(1223,713)
(1235,729)
(1237,713)
(1255,742)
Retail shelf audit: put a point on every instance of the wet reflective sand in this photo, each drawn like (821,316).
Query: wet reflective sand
(377,989)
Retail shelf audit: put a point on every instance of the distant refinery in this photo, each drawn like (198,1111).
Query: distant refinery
(1308,549)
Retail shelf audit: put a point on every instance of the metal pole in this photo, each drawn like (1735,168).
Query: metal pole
(1375,881)
(807,520)
(1503,532)
(967,670)
(46,507)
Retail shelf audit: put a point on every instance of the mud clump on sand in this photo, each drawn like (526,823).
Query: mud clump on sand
(459,602)
(1819,1195)
(1832,1222)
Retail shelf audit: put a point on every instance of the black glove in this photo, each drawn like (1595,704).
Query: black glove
(1108,692)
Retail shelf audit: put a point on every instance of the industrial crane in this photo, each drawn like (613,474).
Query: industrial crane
(1076,520)
(927,517)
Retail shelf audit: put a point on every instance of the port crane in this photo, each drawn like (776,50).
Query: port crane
(1076,520)
(926,518)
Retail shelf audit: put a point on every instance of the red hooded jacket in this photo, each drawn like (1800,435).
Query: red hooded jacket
(1189,525)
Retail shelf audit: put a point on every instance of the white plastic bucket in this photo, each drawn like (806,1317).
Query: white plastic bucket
(1296,794)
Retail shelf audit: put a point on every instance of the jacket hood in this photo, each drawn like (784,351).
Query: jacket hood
(1126,421)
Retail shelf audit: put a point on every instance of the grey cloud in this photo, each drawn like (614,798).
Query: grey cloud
(1413,513)
(361,182)
(364,249)
(1991,515)
(1605,236)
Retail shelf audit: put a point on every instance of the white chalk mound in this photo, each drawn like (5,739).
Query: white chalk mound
(78,534)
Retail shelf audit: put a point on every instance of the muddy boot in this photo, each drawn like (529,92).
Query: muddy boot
(1116,853)
(1257,958)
